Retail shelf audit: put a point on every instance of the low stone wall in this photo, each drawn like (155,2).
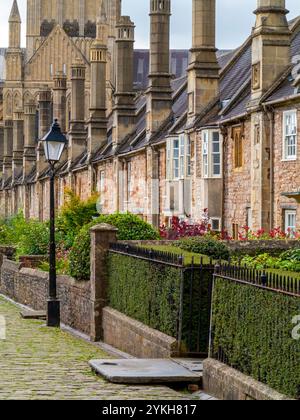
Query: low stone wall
(254,247)
(135,338)
(8,252)
(272,247)
(30,287)
(226,383)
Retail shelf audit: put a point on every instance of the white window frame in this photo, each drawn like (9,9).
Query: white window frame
(286,136)
(178,160)
(287,224)
(208,154)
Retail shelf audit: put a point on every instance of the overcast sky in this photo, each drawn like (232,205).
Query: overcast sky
(235,20)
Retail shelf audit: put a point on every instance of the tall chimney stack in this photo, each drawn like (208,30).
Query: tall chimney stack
(97,124)
(159,92)
(271,41)
(29,157)
(124,108)
(203,72)
(77,134)
(18,144)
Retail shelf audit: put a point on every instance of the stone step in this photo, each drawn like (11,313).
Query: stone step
(39,315)
(145,371)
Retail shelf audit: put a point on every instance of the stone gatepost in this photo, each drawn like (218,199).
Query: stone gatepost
(101,237)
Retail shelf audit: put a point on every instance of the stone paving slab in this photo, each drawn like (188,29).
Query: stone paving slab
(144,371)
(27,314)
(37,363)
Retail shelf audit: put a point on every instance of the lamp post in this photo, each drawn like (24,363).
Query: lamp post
(54,143)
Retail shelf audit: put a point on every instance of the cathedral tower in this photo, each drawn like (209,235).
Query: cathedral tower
(77,17)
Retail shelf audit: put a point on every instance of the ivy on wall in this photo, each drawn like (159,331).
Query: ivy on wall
(252,332)
(151,293)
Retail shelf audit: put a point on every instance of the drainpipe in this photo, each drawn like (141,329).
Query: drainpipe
(271,117)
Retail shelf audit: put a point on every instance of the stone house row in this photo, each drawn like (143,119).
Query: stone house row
(223,137)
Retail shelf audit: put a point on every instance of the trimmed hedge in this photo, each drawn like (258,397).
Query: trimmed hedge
(130,227)
(252,329)
(205,245)
(150,292)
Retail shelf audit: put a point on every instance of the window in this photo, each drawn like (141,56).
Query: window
(215,224)
(51,70)
(238,148)
(129,185)
(205,154)
(290,135)
(188,157)
(211,154)
(216,154)
(101,182)
(182,155)
(169,159)
(290,221)
(178,158)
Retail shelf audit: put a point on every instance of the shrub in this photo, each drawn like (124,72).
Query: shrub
(150,293)
(30,237)
(34,239)
(74,214)
(182,229)
(206,245)
(130,227)
(251,330)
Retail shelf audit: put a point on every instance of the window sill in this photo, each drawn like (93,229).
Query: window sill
(289,160)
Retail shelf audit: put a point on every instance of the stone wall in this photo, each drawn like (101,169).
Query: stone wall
(285,178)
(135,338)
(30,287)
(226,383)
(237,182)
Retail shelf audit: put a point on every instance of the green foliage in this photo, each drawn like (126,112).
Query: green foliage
(252,329)
(150,293)
(287,261)
(130,227)
(74,214)
(30,237)
(205,245)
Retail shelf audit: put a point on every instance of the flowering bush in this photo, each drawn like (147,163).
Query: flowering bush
(183,229)
(246,234)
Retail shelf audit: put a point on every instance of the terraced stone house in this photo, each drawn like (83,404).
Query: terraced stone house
(159,133)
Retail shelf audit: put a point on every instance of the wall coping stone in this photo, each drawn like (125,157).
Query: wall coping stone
(103,227)
(11,265)
(157,337)
(227,383)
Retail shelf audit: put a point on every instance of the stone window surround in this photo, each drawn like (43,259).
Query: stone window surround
(285,157)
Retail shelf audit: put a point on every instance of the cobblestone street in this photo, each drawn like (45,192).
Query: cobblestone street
(40,363)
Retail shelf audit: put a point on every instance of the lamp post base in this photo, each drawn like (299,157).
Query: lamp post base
(53,313)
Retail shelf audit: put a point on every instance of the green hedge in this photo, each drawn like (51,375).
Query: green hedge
(130,227)
(252,328)
(150,292)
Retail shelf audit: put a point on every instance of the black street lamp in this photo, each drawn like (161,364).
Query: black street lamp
(54,143)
